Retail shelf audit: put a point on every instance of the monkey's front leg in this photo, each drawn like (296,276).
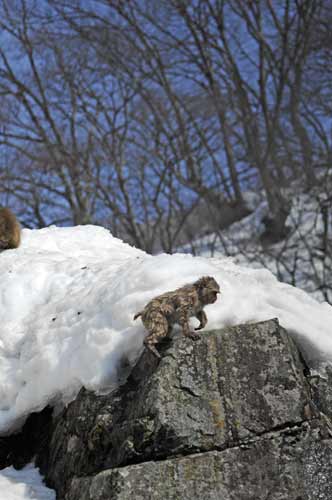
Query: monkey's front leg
(202,318)
(184,323)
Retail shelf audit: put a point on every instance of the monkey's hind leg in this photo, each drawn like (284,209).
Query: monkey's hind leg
(151,347)
(157,327)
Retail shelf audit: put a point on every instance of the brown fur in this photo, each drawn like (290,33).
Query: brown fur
(10,230)
(162,312)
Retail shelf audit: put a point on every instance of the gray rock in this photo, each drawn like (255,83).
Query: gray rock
(282,466)
(233,409)
(322,391)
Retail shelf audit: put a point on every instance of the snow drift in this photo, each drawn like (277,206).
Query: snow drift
(25,484)
(67,301)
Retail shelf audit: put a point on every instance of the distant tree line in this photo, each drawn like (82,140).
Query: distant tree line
(154,117)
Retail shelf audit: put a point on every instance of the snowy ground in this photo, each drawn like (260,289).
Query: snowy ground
(67,301)
(25,484)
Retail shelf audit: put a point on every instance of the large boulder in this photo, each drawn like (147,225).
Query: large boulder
(229,416)
(294,464)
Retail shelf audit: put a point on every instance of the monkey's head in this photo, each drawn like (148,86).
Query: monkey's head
(207,289)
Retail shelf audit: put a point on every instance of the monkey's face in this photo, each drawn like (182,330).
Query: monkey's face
(208,290)
(210,296)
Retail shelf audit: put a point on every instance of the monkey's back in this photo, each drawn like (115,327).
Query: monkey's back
(10,230)
(170,304)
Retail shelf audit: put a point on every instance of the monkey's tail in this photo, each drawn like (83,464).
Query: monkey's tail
(138,314)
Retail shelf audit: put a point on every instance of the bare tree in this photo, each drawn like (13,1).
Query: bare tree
(145,116)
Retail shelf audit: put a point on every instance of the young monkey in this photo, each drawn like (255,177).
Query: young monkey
(10,230)
(161,313)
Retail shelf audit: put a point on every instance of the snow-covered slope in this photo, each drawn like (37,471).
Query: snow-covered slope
(67,300)
(25,484)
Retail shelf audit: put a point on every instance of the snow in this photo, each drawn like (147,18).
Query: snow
(25,484)
(299,259)
(67,301)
